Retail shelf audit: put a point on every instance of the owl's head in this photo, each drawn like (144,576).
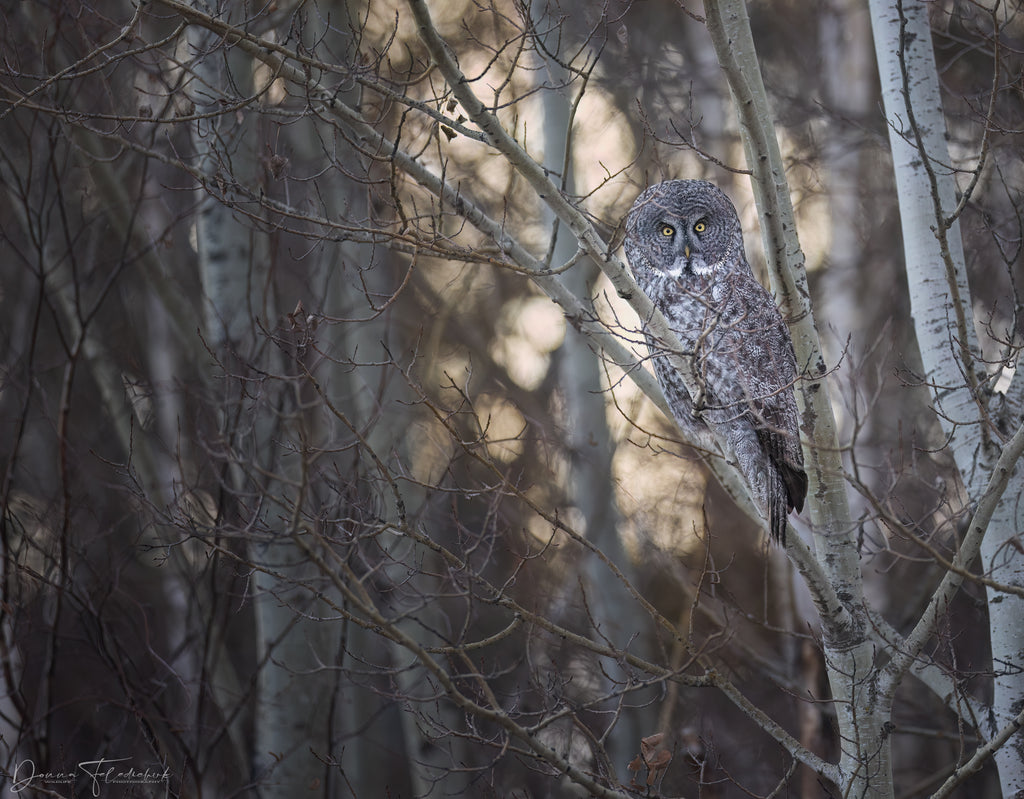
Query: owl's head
(680,229)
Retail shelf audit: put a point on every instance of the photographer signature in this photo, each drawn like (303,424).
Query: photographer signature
(104,771)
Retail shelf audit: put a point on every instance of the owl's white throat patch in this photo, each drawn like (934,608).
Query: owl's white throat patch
(694,265)
(701,267)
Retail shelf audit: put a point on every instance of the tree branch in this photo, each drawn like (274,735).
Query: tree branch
(968,551)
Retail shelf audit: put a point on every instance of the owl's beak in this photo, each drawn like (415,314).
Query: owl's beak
(686,251)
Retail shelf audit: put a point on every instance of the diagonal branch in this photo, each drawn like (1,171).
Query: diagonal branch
(980,757)
(951,582)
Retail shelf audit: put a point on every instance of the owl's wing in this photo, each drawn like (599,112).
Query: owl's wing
(778,432)
(773,405)
(755,375)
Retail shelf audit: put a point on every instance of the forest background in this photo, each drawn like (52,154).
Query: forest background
(331,463)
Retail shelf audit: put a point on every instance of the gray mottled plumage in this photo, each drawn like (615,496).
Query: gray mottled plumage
(685,246)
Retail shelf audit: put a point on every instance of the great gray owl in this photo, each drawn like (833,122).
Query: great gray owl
(685,245)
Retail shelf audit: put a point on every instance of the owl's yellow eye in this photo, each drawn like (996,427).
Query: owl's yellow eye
(668,230)
(700,227)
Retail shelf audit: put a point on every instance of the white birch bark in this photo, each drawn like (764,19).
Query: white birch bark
(293,707)
(222,243)
(941,306)
(847,84)
(939,297)
(1001,559)
(154,469)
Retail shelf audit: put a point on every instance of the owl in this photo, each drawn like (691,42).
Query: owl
(685,246)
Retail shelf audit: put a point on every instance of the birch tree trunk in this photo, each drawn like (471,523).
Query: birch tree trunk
(293,708)
(223,244)
(941,306)
(847,87)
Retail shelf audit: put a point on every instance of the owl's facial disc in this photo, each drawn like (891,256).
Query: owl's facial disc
(689,256)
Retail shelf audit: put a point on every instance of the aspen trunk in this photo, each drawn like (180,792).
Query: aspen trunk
(941,306)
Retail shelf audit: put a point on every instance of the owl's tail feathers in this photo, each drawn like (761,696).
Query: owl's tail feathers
(796,486)
(786,493)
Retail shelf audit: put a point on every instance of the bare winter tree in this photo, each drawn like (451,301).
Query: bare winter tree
(333,462)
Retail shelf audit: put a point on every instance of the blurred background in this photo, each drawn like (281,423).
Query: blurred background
(307,487)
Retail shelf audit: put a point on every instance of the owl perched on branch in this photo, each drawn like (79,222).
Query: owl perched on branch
(685,246)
